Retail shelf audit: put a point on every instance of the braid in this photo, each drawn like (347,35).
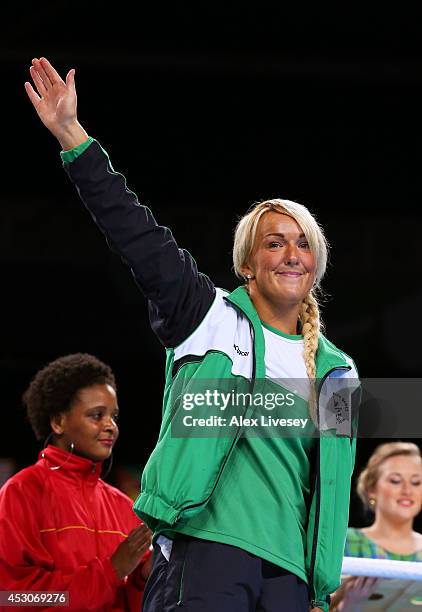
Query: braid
(309,316)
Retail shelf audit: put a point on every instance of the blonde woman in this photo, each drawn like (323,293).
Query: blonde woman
(390,487)
(240,523)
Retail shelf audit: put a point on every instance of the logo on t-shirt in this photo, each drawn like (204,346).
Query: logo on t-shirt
(239,352)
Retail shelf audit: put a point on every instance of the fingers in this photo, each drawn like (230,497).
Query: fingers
(38,82)
(371,583)
(51,72)
(140,529)
(356,583)
(142,542)
(138,549)
(33,96)
(365,584)
(45,76)
(139,539)
(70,79)
(42,74)
(142,549)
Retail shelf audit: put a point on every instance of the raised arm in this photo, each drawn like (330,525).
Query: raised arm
(179,296)
(55,103)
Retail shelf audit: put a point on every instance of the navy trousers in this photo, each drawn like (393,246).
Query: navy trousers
(203,576)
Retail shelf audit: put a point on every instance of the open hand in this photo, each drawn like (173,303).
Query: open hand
(353,593)
(129,553)
(55,102)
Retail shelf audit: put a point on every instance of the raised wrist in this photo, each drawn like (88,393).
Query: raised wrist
(71,136)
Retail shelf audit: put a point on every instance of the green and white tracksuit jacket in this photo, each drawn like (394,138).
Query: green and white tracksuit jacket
(202,328)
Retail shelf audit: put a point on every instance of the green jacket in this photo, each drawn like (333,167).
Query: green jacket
(182,474)
(215,336)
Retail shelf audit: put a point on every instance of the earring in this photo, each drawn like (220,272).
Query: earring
(372,502)
(57,467)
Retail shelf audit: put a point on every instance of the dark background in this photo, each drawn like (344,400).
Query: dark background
(205,110)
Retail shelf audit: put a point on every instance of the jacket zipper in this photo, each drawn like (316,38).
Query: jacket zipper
(89,510)
(239,430)
(318,493)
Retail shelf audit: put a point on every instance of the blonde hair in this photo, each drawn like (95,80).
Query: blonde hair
(369,476)
(244,240)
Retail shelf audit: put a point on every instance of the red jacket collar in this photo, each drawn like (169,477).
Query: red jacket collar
(69,463)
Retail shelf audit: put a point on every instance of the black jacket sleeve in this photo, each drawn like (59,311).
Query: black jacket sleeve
(179,296)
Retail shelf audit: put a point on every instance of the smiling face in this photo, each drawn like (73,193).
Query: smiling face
(281,264)
(398,491)
(90,424)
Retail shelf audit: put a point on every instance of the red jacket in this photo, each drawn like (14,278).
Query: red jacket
(58,530)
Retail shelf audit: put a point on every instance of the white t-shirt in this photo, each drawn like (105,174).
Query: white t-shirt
(284,361)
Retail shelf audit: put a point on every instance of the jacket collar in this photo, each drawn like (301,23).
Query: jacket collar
(69,464)
(240,297)
(329,357)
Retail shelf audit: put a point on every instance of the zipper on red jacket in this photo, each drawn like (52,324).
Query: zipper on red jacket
(237,436)
(314,603)
(89,510)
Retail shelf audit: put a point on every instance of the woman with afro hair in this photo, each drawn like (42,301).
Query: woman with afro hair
(62,528)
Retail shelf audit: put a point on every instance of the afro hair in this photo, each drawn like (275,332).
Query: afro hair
(54,388)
